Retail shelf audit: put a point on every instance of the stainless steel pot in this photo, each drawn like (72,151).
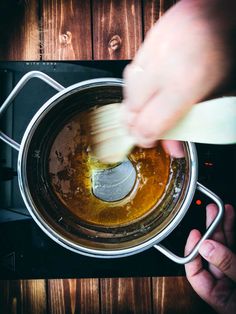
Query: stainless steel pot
(55,221)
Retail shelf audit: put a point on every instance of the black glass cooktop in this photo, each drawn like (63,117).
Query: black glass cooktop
(25,251)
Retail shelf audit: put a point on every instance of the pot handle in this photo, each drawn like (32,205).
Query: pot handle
(32,74)
(208,233)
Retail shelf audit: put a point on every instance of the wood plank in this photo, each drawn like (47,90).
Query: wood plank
(23,296)
(117,28)
(175,295)
(153,10)
(19,30)
(126,295)
(66,30)
(73,296)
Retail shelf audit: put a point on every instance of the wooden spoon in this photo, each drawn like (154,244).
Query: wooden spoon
(210,122)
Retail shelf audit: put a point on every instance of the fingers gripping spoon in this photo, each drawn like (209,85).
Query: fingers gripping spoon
(209,122)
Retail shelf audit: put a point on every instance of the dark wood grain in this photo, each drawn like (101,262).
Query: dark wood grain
(153,10)
(19,30)
(126,295)
(174,295)
(73,296)
(66,30)
(166,295)
(23,297)
(117,28)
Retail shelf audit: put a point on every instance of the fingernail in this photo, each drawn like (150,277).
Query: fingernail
(206,249)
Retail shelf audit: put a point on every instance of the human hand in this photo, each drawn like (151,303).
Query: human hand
(217,284)
(185,57)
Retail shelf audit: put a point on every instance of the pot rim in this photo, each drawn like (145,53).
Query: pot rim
(53,234)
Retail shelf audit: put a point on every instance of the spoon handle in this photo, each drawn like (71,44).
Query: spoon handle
(209,122)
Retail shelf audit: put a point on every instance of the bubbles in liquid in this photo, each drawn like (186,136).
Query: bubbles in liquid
(70,169)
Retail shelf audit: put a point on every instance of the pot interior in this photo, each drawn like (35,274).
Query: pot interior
(46,173)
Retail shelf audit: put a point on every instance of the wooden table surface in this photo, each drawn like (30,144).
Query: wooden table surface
(86,30)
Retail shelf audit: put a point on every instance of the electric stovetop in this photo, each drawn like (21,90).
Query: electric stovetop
(25,251)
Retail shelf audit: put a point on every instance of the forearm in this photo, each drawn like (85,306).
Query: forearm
(221,13)
(219,19)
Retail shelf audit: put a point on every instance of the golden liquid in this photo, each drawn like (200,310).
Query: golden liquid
(70,168)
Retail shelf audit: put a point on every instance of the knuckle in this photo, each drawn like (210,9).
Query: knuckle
(132,70)
(225,263)
(127,71)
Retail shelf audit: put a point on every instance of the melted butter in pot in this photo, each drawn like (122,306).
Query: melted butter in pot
(71,167)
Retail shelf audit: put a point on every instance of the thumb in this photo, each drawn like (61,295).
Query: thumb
(220,256)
